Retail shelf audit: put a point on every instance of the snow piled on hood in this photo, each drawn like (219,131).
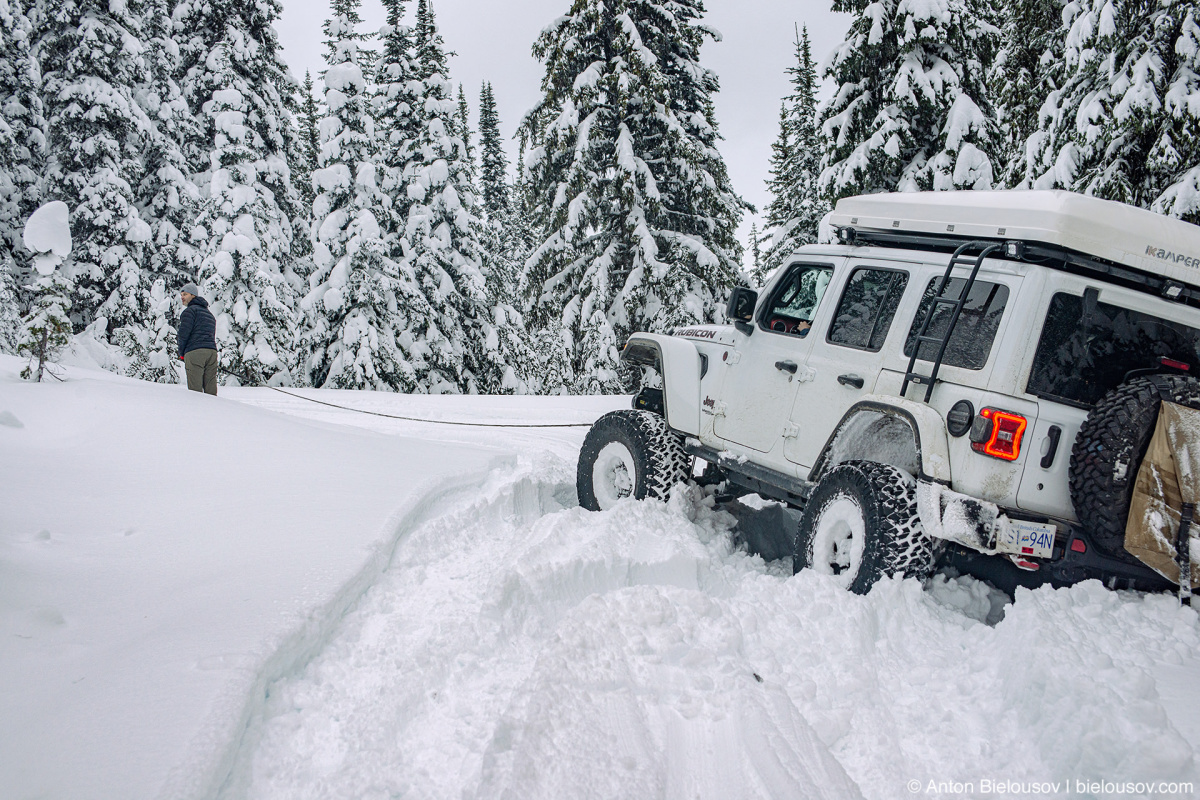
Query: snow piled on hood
(521,647)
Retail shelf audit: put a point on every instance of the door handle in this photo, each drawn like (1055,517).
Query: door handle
(786,366)
(850,380)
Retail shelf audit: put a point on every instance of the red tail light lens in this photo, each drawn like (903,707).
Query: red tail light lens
(1004,439)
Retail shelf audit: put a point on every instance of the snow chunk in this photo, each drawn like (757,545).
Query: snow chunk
(48,230)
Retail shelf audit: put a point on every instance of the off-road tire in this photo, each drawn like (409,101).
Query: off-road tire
(1108,453)
(659,460)
(894,541)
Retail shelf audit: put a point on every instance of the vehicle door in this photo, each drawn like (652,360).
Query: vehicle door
(764,366)
(847,356)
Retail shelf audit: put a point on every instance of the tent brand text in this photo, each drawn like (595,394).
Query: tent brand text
(1175,258)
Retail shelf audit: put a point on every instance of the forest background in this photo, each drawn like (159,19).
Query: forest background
(365,227)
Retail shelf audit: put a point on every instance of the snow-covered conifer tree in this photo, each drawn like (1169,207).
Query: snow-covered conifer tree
(632,199)
(911,109)
(442,235)
(358,293)
(1027,68)
(10,310)
(396,113)
(93,57)
(756,270)
(1125,124)
(493,162)
(22,125)
(310,123)
(797,205)
(47,328)
(463,117)
(168,201)
(239,90)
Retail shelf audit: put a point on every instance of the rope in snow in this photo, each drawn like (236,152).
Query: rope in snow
(437,421)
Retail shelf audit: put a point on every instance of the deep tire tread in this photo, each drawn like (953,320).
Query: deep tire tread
(661,460)
(896,541)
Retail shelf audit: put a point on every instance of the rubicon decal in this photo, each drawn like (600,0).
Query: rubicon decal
(1174,258)
(697,333)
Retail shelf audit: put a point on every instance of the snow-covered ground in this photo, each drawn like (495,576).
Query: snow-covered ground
(262,597)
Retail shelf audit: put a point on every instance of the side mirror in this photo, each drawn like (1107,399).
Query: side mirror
(740,309)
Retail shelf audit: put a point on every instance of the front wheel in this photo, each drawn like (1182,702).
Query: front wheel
(861,524)
(629,454)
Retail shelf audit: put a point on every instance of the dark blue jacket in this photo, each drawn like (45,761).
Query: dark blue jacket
(197,328)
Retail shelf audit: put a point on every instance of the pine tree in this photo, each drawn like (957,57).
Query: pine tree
(351,340)
(10,310)
(797,205)
(493,161)
(310,120)
(463,129)
(22,126)
(911,110)
(630,193)
(92,58)
(242,96)
(46,330)
(756,270)
(1122,126)
(442,235)
(168,201)
(396,114)
(1027,68)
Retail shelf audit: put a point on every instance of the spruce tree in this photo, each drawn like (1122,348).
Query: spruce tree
(493,162)
(10,309)
(310,120)
(1122,126)
(756,270)
(22,126)
(632,199)
(396,114)
(351,337)
(463,118)
(168,201)
(1027,68)
(911,110)
(242,96)
(92,60)
(797,205)
(442,235)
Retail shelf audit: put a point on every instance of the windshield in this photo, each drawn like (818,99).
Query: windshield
(1088,347)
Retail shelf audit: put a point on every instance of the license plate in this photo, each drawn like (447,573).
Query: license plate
(1034,539)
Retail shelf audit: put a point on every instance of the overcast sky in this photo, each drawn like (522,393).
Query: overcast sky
(493,38)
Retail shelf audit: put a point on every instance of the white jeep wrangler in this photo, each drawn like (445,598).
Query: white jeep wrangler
(968,376)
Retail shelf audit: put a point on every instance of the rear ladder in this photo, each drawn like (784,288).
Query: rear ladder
(960,258)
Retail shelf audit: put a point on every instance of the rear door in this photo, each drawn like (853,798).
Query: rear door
(848,355)
(763,368)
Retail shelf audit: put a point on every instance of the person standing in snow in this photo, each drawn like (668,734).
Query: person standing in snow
(198,341)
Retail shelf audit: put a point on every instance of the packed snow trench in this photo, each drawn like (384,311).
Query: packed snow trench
(510,644)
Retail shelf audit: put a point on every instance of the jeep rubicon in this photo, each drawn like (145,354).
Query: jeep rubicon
(965,377)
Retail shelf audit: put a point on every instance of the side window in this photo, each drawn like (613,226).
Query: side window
(971,341)
(795,300)
(867,308)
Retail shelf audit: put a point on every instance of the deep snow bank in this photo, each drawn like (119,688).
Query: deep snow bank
(521,648)
(164,555)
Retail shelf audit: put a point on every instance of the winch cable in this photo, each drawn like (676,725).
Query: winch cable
(419,419)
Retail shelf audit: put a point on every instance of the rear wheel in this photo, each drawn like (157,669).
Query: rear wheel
(629,454)
(861,524)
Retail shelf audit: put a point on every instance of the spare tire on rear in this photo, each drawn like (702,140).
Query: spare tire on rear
(1109,450)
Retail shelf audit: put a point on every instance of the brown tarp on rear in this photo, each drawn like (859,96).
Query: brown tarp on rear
(1169,477)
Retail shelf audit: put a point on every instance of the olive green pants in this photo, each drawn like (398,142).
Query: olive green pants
(201,369)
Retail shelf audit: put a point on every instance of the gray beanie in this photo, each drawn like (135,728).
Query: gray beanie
(191,288)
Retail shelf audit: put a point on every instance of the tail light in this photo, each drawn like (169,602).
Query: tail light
(998,434)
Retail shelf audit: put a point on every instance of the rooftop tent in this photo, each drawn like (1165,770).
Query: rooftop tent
(1113,232)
